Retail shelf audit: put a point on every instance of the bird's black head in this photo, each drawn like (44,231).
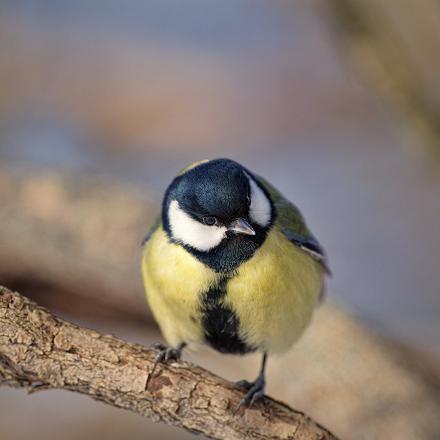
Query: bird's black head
(219,212)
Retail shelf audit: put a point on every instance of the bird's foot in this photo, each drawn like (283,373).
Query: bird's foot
(255,391)
(164,354)
(243,385)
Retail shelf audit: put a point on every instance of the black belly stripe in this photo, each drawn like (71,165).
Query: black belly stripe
(221,324)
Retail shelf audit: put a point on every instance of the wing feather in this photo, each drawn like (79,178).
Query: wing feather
(293,225)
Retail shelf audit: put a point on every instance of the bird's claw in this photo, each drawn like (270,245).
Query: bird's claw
(255,391)
(164,354)
(158,346)
(243,385)
(254,394)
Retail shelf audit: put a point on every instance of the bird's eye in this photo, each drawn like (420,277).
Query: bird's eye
(209,220)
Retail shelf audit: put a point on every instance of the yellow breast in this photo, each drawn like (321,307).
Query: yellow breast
(174,280)
(274,294)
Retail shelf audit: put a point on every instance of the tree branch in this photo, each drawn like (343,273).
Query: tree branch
(396,48)
(40,351)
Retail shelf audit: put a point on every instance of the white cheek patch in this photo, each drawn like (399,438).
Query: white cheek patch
(191,232)
(260,210)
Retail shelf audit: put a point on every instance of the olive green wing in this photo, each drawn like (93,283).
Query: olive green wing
(293,225)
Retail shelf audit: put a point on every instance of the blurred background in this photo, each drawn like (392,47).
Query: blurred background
(336,102)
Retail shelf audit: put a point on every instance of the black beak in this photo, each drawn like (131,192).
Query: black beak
(241,226)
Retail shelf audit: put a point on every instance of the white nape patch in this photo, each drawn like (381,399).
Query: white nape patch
(260,210)
(191,232)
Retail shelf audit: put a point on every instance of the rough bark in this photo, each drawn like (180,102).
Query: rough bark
(40,351)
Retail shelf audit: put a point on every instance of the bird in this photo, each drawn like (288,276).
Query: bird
(230,263)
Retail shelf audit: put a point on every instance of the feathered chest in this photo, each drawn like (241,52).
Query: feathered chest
(265,303)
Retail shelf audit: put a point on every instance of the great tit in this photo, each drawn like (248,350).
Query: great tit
(231,263)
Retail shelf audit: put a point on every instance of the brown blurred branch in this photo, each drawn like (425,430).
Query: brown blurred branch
(396,45)
(40,351)
(77,236)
